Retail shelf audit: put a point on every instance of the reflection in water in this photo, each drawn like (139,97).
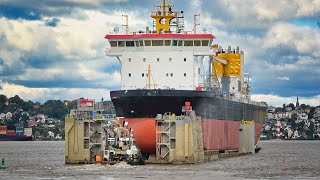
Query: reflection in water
(277,159)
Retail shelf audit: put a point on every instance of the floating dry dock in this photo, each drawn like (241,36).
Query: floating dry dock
(95,137)
(180,140)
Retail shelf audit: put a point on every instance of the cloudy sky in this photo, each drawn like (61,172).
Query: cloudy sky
(54,49)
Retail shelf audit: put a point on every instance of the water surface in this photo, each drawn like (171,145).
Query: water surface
(45,160)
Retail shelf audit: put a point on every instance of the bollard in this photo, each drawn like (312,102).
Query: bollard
(2,164)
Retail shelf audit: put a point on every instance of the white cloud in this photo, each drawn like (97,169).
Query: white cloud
(304,64)
(80,38)
(259,14)
(274,10)
(284,78)
(196,6)
(302,39)
(23,34)
(278,101)
(80,42)
(312,7)
(44,94)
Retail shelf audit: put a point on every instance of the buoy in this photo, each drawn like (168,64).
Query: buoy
(283,166)
(3,166)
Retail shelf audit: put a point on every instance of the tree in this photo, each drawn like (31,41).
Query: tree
(310,115)
(3,100)
(292,106)
(312,109)
(24,118)
(300,126)
(311,130)
(303,106)
(28,106)
(54,109)
(37,134)
(16,100)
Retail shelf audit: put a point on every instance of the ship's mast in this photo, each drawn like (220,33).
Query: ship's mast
(127,23)
(195,24)
(164,7)
(164,16)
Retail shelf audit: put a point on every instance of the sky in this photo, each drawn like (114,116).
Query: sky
(55,49)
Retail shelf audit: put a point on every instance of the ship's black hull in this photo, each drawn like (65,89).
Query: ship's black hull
(149,103)
(14,137)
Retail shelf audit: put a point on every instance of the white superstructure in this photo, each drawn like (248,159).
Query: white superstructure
(176,60)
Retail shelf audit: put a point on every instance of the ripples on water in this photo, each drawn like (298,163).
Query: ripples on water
(45,160)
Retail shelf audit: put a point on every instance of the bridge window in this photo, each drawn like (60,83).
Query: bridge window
(147,43)
(129,43)
(113,43)
(175,43)
(180,43)
(197,43)
(167,42)
(120,43)
(205,43)
(141,43)
(188,43)
(157,42)
(137,43)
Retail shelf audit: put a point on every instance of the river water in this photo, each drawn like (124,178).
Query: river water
(276,160)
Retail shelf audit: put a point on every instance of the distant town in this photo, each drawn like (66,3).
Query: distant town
(295,121)
(46,120)
(299,121)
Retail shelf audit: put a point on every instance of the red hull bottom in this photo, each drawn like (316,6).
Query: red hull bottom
(217,134)
(144,132)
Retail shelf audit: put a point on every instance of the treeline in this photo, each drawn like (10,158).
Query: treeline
(51,108)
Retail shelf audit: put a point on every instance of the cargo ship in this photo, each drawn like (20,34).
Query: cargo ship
(166,67)
(13,135)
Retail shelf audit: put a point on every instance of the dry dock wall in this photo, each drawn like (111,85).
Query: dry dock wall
(179,140)
(246,137)
(190,138)
(83,140)
(189,144)
(74,142)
